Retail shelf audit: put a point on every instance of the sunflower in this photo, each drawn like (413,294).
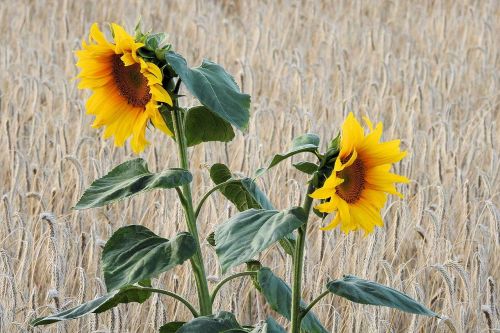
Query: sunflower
(126,89)
(358,186)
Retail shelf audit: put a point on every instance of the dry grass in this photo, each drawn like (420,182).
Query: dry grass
(429,70)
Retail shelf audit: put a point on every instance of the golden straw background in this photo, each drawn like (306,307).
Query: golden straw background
(428,69)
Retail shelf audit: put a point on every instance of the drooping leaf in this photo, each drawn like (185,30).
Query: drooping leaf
(214,88)
(245,194)
(368,292)
(279,296)
(134,253)
(269,326)
(202,125)
(221,322)
(306,167)
(304,143)
(128,179)
(172,327)
(125,295)
(250,232)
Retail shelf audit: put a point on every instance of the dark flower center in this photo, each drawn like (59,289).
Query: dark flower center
(133,86)
(354,181)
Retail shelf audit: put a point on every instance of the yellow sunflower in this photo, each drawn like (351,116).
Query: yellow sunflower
(127,90)
(358,186)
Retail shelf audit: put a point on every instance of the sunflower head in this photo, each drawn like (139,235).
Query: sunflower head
(127,90)
(358,186)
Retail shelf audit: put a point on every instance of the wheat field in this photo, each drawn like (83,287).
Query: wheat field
(428,69)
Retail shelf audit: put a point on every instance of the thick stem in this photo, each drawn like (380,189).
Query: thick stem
(298,263)
(197,259)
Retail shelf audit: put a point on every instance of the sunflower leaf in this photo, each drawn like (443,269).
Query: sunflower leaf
(128,179)
(245,194)
(250,232)
(278,295)
(203,125)
(221,322)
(368,292)
(172,327)
(305,143)
(214,88)
(134,253)
(125,295)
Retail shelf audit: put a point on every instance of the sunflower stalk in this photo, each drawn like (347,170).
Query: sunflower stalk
(298,263)
(197,259)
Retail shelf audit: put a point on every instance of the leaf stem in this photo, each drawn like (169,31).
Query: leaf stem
(197,259)
(298,263)
(212,190)
(227,279)
(313,303)
(173,295)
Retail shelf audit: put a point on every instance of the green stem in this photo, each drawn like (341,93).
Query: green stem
(197,259)
(173,295)
(227,279)
(313,303)
(298,263)
(212,190)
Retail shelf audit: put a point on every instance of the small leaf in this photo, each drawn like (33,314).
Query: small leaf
(134,253)
(128,179)
(279,296)
(304,143)
(368,292)
(100,304)
(172,327)
(269,326)
(154,40)
(243,193)
(221,322)
(250,232)
(202,125)
(214,88)
(306,167)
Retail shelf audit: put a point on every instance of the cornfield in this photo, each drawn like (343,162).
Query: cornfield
(428,69)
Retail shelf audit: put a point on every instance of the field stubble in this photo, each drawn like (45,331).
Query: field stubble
(428,70)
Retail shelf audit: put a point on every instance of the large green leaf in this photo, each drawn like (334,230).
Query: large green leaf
(368,292)
(214,88)
(202,125)
(305,143)
(279,296)
(128,179)
(125,295)
(269,326)
(250,232)
(134,253)
(221,322)
(245,194)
